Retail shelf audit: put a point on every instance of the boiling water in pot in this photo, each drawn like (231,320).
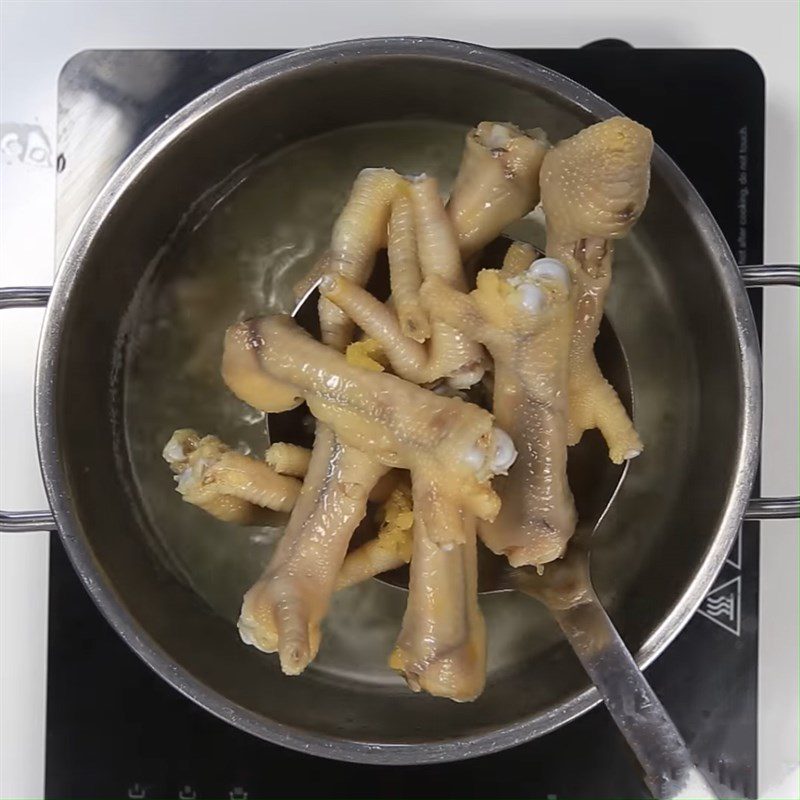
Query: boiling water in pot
(238,253)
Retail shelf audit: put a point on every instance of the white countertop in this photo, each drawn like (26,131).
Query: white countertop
(36,39)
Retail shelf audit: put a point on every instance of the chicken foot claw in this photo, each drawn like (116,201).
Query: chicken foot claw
(358,234)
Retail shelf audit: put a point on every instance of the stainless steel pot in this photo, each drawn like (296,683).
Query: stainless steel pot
(689,336)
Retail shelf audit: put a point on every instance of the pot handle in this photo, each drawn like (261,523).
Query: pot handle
(756,276)
(19,521)
(753,276)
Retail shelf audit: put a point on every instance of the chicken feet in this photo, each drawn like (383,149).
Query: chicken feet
(442,644)
(448,353)
(594,187)
(525,322)
(227,484)
(497,182)
(282,612)
(451,447)
(358,234)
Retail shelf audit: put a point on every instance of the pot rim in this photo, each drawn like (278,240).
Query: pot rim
(103,592)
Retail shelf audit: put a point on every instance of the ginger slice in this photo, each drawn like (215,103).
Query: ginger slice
(391,547)
(367,354)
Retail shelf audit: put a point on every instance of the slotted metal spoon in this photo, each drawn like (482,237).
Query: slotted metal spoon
(565,588)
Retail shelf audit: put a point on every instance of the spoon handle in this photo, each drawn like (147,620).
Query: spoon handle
(669,771)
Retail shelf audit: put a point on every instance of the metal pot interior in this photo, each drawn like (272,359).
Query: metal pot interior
(186,247)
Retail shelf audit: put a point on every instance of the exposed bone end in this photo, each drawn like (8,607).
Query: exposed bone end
(552,272)
(543,278)
(518,151)
(180,446)
(244,376)
(531,298)
(548,272)
(516,305)
(492,457)
(227,484)
(595,184)
(502,453)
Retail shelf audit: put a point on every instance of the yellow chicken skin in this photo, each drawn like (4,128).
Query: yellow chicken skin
(441,648)
(525,321)
(451,447)
(393,422)
(497,182)
(282,612)
(227,484)
(405,271)
(448,353)
(518,257)
(291,459)
(594,187)
(358,234)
